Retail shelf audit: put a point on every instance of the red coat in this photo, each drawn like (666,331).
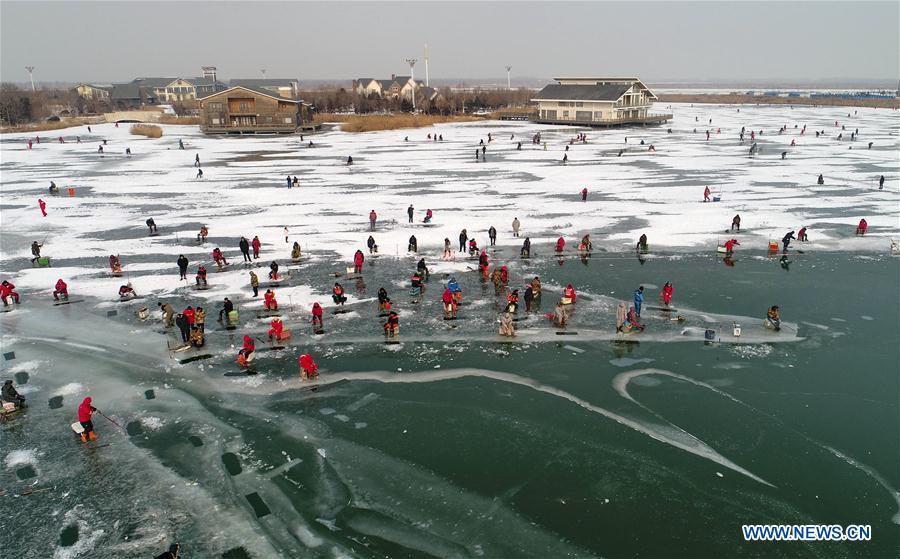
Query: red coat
(269,297)
(569,293)
(7,289)
(373,216)
(307,363)
(317,311)
(85,409)
(255,243)
(358,259)
(729,244)
(249,346)
(189,314)
(667,293)
(447,297)
(61,285)
(560,244)
(277,326)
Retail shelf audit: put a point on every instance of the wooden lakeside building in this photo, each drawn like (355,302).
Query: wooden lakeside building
(250,110)
(599,101)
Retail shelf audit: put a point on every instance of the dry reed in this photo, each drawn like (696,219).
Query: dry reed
(149,130)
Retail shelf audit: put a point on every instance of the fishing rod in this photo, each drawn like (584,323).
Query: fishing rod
(111,420)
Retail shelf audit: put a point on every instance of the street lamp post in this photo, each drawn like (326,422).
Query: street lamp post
(412,75)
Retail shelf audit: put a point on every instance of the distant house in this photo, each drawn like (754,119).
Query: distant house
(601,101)
(152,91)
(285,87)
(93,90)
(251,110)
(395,87)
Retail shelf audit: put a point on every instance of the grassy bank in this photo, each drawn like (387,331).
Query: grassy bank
(732,99)
(43,126)
(169,119)
(370,123)
(149,130)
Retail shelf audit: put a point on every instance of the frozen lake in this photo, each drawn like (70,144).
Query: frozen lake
(454,443)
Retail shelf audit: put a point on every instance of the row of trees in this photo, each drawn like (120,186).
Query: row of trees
(449,101)
(23,106)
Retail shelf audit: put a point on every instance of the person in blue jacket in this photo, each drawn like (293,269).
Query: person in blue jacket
(638,299)
(453,286)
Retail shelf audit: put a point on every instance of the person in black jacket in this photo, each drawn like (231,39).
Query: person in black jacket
(10,394)
(244,245)
(182,266)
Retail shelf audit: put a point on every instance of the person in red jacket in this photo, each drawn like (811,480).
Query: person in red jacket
(7,289)
(244,355)
(189,314)
(862,227)
(483,262)
(317,316)
(706,193)
(308,367)
(269,300)
(667,292)
(450,306)
(61,289)
(730,244)
(358,260)
(255,244)
(85,410)
(219,258)
(277,327)
(569,293)
(560,244)
(372,218)
(43,206)
(584,194)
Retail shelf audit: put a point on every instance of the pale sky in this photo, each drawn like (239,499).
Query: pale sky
(658,41)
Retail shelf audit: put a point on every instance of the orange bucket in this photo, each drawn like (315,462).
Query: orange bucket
(773,246)
(71,191)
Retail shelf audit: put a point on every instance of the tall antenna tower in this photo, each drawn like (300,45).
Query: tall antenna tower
(412,75)
(31,75)
(426,66)
(508,68)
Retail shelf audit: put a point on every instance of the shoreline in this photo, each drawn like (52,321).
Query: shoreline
(732,99)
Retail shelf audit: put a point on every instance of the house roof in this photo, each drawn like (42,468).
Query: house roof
(259,90)
(153,82)
(279,82)
(582,92)
(200,81)
(106,86)
(127,91)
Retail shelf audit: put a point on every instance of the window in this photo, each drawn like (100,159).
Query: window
(565,114)
(598,115)
(268,120)
(579,104)
(215,121)
(288,120)
(244,106)
(215,106)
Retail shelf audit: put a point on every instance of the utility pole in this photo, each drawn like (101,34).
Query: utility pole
(426,66)
(31,75)
(508,68)
(412,76)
